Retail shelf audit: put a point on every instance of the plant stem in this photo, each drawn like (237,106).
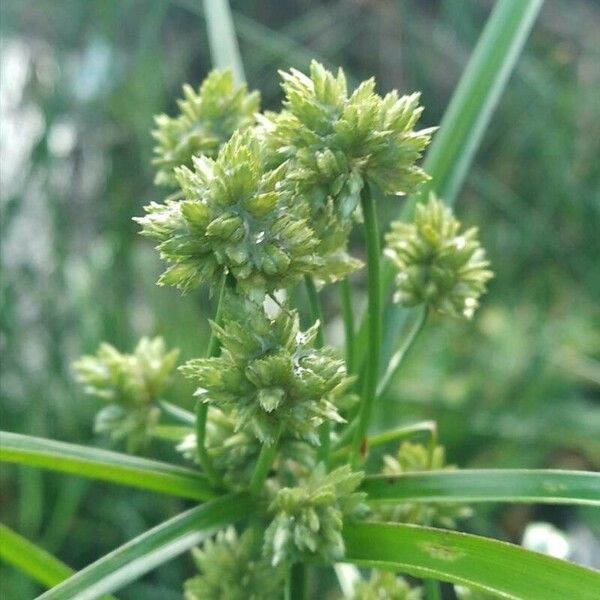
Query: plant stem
(397,359)
(394,435)
(203,458)
(316,314)
(432,589)
(213,342)
(315,309)
(263,464)
(297,581)
(369,389)
(348,317)
(178,413)
(201,407)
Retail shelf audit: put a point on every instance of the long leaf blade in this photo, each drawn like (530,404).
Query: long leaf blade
(224,49)
(31,559)
(491,485)
(151,549)
(104,465)
(488,565)
(465,120)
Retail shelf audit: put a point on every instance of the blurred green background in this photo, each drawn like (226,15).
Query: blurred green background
(519,386)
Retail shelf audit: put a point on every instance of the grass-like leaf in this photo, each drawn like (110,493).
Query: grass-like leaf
(151,549)
(463,125)
(104,465)
(489,565)
(31,559)
(224,50)
(475,485)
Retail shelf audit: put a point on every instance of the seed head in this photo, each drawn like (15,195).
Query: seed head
(438,265)
(207,119)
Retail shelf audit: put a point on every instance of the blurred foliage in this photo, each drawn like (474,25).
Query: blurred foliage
(80,83)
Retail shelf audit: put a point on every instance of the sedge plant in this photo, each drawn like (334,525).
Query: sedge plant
(277,450)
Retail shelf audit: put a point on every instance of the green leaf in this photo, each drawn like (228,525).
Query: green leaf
(104,465)
(484,564)
(31,559)
(151,549)
(453,148)
(480,485)
(224,49)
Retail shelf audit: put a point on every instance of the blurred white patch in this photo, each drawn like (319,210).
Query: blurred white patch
(547,539)
(62,138)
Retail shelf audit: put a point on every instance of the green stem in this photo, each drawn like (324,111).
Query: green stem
(369,389)
(297,582)
(348,317)
(316,314)
(263,464)
(213,342)
(178,413)
(432,589)
(396,360)
(394,435)
(203,458)
(201,407)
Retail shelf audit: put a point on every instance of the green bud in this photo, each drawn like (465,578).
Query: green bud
(206,121)
(232,568)
(235,219)
(226,227)
(308,519)
(437,265)
(412,458)
(269,374)
(334,142)
(129,384)
(384,585)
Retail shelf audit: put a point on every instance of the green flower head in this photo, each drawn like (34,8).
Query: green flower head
(438,265)
(130,384)
(232,568)
(412,458)
(386,586)
(235,218)
(206,121)
(269,374)
(339,141)
(308,519)
(336,142)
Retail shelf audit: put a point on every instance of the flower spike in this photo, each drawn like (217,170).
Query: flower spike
(207,119)
(437,264)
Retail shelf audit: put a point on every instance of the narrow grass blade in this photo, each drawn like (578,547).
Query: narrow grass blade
(475,485)
(151,549)
(104,465)
(484,564)
(224,49)
(31,559)
(451,153)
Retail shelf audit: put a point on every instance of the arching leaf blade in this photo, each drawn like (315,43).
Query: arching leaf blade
(506,570)
(104,465)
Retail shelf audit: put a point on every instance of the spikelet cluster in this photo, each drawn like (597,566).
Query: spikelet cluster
(232,568)
(412,458)
(207,119)
(337,142)
(235,218)
(308,519)
(383,585)
(438,265)
(269,374)
(129,384)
